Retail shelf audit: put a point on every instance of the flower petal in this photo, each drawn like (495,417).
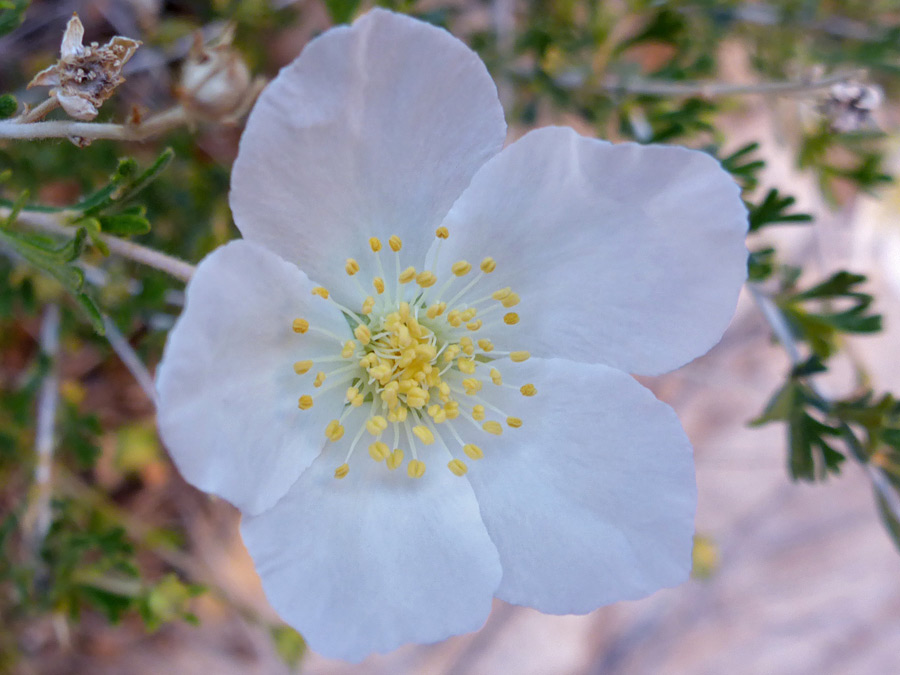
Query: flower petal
(374,560)
(627,255)
(228,393)
(592,501)
(374,130)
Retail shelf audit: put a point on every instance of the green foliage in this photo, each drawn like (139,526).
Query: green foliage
(12,13)
(342,11)
(8,105)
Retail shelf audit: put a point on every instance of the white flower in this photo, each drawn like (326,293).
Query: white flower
(372,167)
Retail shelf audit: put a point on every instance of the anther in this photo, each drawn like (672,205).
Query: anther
(426,279)
(352,267)
(472,385)
(375,244)
(466,366)
(395,243)
(492,427)
(321,292)
(528,390)
(342,471)
(458,467)
(368,305)
(395,459)
(486,345)
(424,434)
(302,367)
(378,283)
(518,357)
(376,425)
(510,300)
(349,349)
(379,451)
(514,422)
(320,379)
(511,318)
(496,378)
(478,413)
(415,468)
(442,233)
(488,265)
(305,402)
(461,268)
(363,334)
(334,431)
(300,325)
(502,293)
(473,451)
(407,275)
(436,310)
(474,325)
(352,393)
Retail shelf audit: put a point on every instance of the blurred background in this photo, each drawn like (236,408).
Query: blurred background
(797,568)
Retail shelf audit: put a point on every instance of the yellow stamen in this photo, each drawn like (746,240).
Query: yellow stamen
(320,379)
(486,345)
(352,393)
(342,471)
(528,390)
(321,292)
(469,314)
(415,468)
(458,467)
(302,367)
(334,431)
(478,413)
(473,451)
(474,325)
(305,402)
(442,232)
(472,385)
(454,318)
(492,427)
(395,243)
(514,422)
(502,293)
(436,310)
(467,345)
(496,378)
(466,366)
(511,319)
(379,451)
(300,325)
(351,267)
(376,425)
(368,305)
(378,283)
(375,244)
(518,357)
(426,279)
(510,300)
(407,275)
(424,434)
(461,268)
(488,265)
(349,349)
(363,334)
(395,459)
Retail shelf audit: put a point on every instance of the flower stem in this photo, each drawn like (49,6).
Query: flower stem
(38,112)
(26,129)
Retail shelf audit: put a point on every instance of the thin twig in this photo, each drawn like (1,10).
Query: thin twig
(45,431)
(92,131)
(38,112)
(714,89)
(130,358)
(54,223)
(778,324)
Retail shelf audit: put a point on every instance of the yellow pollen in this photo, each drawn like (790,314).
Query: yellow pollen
(352,267)
(320,379)
(300,325)
(466,366)
(528,390)
(302,367)
(376,425)
(363,334)
(502,293)
(469,314)
(472,385)
(488,265)
(473,451)
(474,325)
(379,451)
(458,467)
(492,427)
(415,468)
(368,304)
(510,300)
(378,283)
(426,279)
(305,402)
(352,393)
(467,345)
(349,349)
(442,233)
(424,434)
(398,415)
(478,413)
(334,431)
(461,268)
(395,459)
(454,318)
(436,310)
(321,292)
(486,345)
(511,319)
(375,244)
(407,275)
(518,357)
(496,378)
(342,471)
(395,243)
(514,422)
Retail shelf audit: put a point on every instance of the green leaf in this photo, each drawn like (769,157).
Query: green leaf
(773,209)
(124,184)
(289,643)
(891,523)
(125,224)
(12,13)
(8,105)
(761,264)
(341,11)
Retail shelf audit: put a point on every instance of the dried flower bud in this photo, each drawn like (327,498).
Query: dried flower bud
(850,105)
(85,75)
(215,80)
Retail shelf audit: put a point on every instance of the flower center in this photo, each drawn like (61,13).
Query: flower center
(418,362)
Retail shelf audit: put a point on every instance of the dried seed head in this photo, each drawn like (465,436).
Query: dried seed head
(85,75)
(850,105)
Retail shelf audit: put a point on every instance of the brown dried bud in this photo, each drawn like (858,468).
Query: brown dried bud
(215,81)
(850,105)
(85,75)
